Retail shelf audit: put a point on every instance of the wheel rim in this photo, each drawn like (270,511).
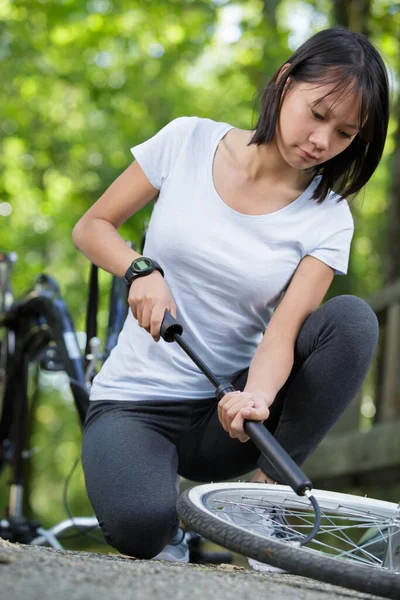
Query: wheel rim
(355,529)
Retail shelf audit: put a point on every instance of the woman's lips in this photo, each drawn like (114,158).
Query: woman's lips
(307,155)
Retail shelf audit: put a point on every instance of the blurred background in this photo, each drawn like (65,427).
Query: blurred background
(82,82)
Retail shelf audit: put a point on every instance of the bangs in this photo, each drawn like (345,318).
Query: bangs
(345,84)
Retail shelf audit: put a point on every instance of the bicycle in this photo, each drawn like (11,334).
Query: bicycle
(39,328)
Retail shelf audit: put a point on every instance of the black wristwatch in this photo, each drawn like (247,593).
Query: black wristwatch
(139,268)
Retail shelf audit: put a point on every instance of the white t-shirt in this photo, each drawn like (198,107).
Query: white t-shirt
(226,270)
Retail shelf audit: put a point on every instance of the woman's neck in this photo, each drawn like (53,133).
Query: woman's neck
(265,162)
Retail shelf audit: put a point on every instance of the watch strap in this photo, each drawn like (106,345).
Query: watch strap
(131,274)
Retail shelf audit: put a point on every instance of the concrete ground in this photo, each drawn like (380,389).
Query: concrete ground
(38,573)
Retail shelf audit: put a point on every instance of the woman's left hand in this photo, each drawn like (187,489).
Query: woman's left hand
(236,407)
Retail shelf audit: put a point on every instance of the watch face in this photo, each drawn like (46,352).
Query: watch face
(142,264)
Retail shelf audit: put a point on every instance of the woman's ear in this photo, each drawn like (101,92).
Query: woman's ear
(282,71)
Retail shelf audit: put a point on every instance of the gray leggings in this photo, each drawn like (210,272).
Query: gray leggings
(133,451)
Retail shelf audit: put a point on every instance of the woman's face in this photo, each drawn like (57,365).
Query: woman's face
(310,132)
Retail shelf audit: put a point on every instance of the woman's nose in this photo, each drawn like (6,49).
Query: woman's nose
(320,138)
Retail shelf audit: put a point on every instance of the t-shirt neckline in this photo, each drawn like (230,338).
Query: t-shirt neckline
(265,217)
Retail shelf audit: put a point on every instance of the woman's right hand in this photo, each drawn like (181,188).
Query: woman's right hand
(149,298)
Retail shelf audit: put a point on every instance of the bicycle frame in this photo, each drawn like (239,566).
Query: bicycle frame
(34,323)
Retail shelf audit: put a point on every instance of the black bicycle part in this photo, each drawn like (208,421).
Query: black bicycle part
(291,474)
(42,328)
(45,304)
(7,261)
(117,312)
(14,427)
(91,310)
(32,324)
(199,556)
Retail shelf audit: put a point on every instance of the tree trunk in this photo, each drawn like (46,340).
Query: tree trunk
(269,10)
(353,14)
(392,254)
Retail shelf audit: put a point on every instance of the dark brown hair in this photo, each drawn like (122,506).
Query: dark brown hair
(348,60)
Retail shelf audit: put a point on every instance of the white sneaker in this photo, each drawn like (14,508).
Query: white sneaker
(260,566)
(266,521)
(177,550)
(273,524)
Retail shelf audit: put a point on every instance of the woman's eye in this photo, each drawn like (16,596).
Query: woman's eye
(320,117)
(317,115)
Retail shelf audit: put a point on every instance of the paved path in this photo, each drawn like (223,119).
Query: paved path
(38,573)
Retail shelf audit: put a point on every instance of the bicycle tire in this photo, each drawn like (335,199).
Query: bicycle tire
(193,509)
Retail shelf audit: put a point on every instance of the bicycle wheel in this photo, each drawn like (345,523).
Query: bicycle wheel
(357,546)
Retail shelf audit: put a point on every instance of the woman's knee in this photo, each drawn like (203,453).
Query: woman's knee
(142,534)
(355,321)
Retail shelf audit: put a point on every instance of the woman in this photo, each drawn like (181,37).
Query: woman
(247,233)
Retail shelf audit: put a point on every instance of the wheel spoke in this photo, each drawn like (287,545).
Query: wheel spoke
(338,523)
(356,545)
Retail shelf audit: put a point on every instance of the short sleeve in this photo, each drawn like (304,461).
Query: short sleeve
(157,155)
(334,250)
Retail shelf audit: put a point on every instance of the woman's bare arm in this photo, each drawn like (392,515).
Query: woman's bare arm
(96,235)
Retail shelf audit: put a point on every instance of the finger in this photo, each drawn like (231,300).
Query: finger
(236,405)
(228,410)
(139,313)
(236,428)
(155,321)
(228,397)
(172,309)
(147,310)
(255,413)
(231,399)
(134,310)
(133,305)
(230,413)
(221,404)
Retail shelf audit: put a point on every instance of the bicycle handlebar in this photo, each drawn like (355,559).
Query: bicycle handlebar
(172,331)
(43,304)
